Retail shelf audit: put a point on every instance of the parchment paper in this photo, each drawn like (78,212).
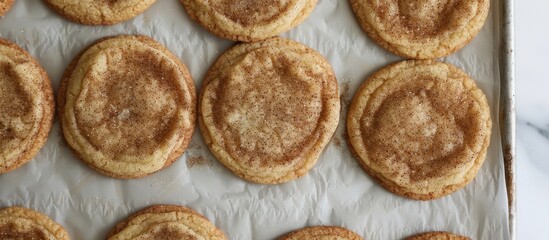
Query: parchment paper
(335,192)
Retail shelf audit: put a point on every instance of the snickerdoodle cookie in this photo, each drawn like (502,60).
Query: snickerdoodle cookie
(421,29)
(421,128)
(437,236)
(267,109)
(24,223)
(322,232)
(127,106)
(248,20)
(26,106)
(99,12)
(166,222)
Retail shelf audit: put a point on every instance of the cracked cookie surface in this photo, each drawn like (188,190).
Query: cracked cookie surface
(99,12)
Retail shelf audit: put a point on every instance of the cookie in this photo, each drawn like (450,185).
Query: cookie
(26,106)
(322,232)
(437,236)
(127,106)
(267,109)
(421,128)
(94,12)
(23,223)
(5,5)
(166,222)
(248,20)
(421,29)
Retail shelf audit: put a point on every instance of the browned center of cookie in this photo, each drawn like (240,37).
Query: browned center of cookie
(13,232)
(268,105)
(423,128)
(423,18)
(131,102)
(248,12)
(15,107)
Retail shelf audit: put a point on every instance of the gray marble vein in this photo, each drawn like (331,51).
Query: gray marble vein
(534,137)
(542,131)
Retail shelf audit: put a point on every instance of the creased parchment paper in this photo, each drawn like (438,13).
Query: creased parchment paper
(335,192)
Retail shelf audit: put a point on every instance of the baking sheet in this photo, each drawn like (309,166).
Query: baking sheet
(507,106)
(335,192)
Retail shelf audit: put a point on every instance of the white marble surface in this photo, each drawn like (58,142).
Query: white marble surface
(532,49)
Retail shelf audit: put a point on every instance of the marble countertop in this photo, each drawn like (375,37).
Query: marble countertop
(532,95)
